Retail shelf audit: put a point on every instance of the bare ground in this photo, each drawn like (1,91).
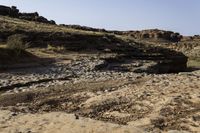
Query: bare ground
(149,102)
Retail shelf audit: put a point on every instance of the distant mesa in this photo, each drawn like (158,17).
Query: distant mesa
(14,12)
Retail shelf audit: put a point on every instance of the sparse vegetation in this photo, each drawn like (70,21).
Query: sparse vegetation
(194,62)
(13,24)
(16,42)
(58,49)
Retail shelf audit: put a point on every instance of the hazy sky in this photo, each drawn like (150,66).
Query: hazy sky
(178,15)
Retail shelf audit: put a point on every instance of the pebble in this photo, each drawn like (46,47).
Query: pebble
(196,117)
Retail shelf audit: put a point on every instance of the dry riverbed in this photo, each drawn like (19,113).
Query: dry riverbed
(72,95)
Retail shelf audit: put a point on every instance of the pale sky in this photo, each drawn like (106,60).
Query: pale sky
(182,16)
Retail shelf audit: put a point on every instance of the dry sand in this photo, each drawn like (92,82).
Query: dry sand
(57,122)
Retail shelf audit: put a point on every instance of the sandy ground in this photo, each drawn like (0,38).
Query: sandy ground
(57,122)
(156,103)
(104,102)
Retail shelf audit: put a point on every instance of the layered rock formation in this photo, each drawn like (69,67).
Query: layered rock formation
(155,34)
(14,12)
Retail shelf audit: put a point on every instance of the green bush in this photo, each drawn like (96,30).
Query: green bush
(17,42)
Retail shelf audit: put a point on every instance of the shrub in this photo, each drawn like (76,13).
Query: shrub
(17,42)
(58,49)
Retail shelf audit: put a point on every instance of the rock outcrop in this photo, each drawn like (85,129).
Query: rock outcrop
(155,34)
(14,12)
(9,11)
(149,60)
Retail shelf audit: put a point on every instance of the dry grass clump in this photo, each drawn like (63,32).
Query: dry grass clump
(17,43)
(58,49)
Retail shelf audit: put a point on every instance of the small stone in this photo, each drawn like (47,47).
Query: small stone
(196,117)
(76,116)
(14,114)
(106,91)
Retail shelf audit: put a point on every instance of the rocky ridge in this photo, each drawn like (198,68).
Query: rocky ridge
(14,12)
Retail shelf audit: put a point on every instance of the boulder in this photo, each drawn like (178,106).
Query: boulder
(41,19)
(4,10)
(9,11)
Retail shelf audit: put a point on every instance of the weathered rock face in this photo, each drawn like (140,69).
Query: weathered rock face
(9,11)
(14,12)
(155,34)
(28,16)
(35,17)
(149,60)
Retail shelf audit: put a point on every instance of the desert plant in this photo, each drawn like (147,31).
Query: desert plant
(17,42)
(58,49)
